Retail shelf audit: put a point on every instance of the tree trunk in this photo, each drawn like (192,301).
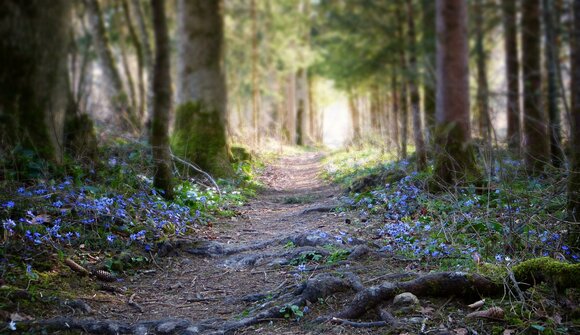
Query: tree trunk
(200,123)
(161,102)
(355,118)
(289,126)
(535,135)
(414,90)
(147,57)
(33,75)
(574,177)
(551,57)
(301,107)
(429,79)
(512,73)
(255,87)
(140,101)
(403,97)
(116,91)
(483,118)
(455,160)
(395,118)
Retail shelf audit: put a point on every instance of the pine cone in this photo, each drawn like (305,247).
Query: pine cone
(104,275)
(76,267)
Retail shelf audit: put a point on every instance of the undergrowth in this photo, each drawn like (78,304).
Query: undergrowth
(487,229)
(106,215)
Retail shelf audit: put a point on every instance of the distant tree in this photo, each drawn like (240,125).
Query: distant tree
(483,118)
(161,102)
(428,42)
(139,102)
(455,158)
(414,90)
(34,42)
(552,97)
(403,97)
(509,8)
(574,177)
(200,122)
(115,89)
(535,135)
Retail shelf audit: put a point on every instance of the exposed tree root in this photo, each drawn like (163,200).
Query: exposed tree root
(458,284)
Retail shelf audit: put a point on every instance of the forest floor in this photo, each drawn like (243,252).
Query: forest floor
(293,260)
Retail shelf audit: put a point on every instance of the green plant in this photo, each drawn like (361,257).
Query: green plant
(291,311)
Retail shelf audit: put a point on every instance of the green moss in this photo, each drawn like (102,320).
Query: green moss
(200,137)
(564,275)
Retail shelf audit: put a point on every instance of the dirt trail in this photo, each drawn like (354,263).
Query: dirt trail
(198,288)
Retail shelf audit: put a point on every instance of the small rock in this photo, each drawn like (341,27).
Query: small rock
(406,303)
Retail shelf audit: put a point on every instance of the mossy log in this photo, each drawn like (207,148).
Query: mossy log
(545,269)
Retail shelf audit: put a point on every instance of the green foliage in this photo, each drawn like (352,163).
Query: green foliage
(292,311)
(306,257)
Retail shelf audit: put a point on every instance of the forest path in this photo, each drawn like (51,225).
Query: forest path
(197,288)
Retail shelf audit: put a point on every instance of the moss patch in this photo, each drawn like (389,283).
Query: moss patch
(564,275)
(200,137)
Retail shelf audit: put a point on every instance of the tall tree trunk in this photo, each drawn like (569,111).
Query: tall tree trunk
(403,97)
(551,57)
(354,117)
(147,56)
(455,160)
(414,90)
(302,105)
(574,177)
(535,135)
(429,42)
(33,75)
(140,103)
(116,91)
(289,125)
(161,102)
(200,123)
(509,8)
(395,110)
(483,118)
(255,87)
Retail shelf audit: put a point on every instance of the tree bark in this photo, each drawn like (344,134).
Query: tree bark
(404,114)
(574,176)
(33,75)
(414,90)
(395,110)
(200,123)
(535,134)
(161,102)
(512,73)
(140,101)
(355,118)
(255,87)
(429,78)
(552,98)
(483,118)
(455,160)
(116,91)
(147,56)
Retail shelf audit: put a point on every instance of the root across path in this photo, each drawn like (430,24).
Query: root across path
(282,267)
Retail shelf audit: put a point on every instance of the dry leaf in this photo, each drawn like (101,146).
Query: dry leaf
(508,332)
(460,331)
(19,317)
(427,310)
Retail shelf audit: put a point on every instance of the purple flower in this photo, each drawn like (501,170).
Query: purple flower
(9,204)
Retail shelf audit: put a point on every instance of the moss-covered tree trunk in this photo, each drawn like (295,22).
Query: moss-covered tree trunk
(34,41)
(535,133)
(414,90)
(200,123)
(574,177)
(455,158)
(509,8)
(161,102)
